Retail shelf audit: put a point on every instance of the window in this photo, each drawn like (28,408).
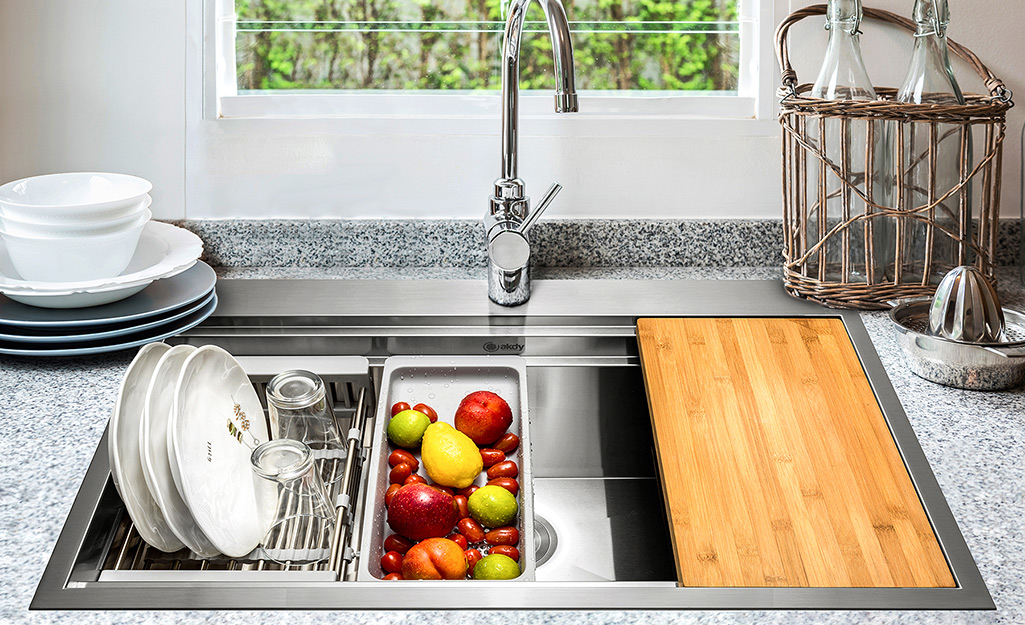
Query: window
(302,137)
(441,57)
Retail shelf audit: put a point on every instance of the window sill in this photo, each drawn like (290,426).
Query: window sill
(389,114)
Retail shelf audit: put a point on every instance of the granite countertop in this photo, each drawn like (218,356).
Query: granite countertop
(56,410)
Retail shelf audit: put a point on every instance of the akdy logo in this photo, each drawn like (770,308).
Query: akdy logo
(491,348)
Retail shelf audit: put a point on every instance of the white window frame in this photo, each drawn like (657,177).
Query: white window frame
(637,113)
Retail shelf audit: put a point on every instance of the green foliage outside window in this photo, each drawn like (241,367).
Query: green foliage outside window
(454,44)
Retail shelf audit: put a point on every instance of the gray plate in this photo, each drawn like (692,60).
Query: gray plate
(95,333)
(159,297)
(126,341)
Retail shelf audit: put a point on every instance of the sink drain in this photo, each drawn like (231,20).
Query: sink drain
(545,539)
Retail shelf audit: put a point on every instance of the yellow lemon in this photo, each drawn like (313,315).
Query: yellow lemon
(449,456)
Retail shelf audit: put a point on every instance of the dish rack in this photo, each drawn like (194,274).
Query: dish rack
(351,391)
(845,241)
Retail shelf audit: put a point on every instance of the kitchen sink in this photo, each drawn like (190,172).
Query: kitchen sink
(601,539)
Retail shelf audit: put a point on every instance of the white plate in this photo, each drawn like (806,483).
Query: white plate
(126,341)
(76,300)
(216,424)
(63,335)
(163,251)
(158,298)
(156,465)
(123,451)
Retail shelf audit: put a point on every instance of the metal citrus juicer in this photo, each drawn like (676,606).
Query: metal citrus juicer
(966,308)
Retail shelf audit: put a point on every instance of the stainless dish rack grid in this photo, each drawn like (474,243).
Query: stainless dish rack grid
(352,395)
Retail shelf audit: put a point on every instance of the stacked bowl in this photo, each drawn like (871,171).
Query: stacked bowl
(84,268)
(75,226)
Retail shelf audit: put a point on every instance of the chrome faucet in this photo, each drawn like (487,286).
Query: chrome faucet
(509,219)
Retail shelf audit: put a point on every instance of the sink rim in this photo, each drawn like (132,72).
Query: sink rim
(460,300)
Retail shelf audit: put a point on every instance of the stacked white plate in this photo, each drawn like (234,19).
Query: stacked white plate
(184,476)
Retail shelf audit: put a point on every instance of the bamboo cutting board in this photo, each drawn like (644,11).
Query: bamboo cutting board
(777,466)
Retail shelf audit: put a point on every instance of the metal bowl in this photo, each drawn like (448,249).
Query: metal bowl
(973,366)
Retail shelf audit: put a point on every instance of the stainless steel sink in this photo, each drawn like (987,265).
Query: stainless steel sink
(600,530)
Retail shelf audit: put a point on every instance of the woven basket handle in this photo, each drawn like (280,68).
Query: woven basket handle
(789,76)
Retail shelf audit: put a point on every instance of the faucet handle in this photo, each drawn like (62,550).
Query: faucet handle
(541,206)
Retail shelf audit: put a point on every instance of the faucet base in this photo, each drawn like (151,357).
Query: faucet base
(508,287)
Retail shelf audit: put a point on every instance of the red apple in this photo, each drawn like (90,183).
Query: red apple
(434,558)
(483,416)
(418,511)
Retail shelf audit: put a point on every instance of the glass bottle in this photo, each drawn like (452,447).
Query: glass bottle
(290,491)
(844,143)
(933,154)
(843,75)
(298,409)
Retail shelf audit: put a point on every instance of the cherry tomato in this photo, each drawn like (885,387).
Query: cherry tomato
(463,505)
(471,529)
(392,562)
(427,410)
(394,576)
(398,407)
(466,492)
(472,558)
(458,539)
(401,456)
(507,535)
(399,473)
(507,483)
(388,494)
(415,479)
(503,469)
(397,543)
(506,550)
(491,457)
(508,443)
(444,489)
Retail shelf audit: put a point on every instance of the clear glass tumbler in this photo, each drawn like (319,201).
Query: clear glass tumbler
(290,485)
(299,410)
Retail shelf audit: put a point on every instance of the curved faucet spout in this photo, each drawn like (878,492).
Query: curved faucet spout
(508,219)
(562,50)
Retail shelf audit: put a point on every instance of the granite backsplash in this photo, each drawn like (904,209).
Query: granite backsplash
(459,243)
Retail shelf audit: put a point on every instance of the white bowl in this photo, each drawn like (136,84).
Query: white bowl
(163,251)
(82,196)
(71,229)
(63,259)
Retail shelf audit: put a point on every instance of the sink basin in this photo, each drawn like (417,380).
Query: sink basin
(600,532)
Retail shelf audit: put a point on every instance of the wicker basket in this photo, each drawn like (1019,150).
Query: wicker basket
(846,232)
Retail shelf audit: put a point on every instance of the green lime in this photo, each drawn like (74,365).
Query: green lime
(407,428)
(492,506)
(496,566)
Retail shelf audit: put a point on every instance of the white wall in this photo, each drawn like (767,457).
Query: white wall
(101,85)
(95,85)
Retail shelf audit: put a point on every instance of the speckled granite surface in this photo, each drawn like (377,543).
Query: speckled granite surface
(460,243)
(55,411)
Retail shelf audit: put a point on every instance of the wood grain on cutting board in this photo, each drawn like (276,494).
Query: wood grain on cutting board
(777,466)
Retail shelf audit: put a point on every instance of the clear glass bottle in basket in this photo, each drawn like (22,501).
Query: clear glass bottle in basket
(852,165)
(934,157)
